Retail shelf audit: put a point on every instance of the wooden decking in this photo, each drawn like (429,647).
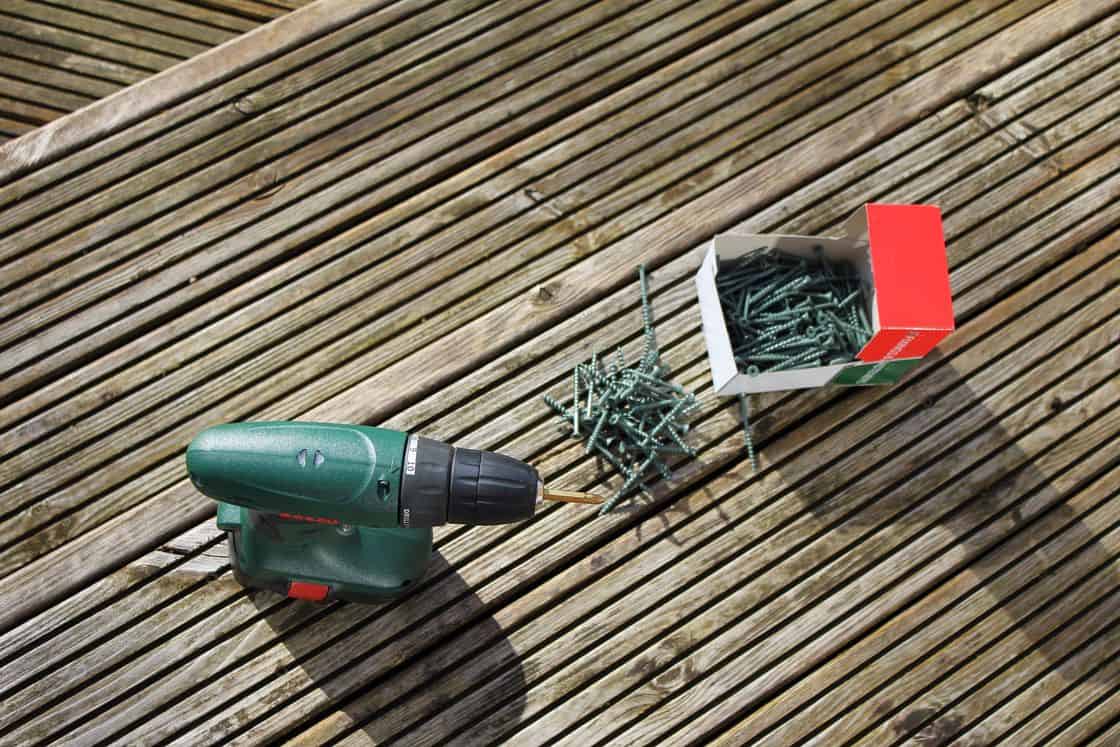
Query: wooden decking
(422,215)
(58,56)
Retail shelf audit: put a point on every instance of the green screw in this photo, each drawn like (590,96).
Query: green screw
(676,439)
(796,361)
(575,401)
(650,353)
(560,409)
(594,438)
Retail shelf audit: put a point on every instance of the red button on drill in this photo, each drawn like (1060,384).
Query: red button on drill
(310,592)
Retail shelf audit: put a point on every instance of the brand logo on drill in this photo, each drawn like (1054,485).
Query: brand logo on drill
(308,519)
(410,455)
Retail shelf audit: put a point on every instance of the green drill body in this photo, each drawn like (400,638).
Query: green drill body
(350,474)
(328,511)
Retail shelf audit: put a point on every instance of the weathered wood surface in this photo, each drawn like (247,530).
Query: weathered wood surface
(58,56)
(306,221)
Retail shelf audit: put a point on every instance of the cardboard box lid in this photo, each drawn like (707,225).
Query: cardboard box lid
(913,306)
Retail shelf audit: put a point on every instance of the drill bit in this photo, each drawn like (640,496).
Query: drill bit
(569,496)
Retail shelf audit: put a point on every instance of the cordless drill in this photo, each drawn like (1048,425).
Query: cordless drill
(323,511)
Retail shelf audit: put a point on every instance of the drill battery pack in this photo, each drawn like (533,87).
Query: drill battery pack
(321,559)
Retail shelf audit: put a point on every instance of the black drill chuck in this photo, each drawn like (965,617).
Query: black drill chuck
(444,483)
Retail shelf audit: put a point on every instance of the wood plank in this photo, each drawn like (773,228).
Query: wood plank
(923,621)
(1084,699)
(58,58)
(322,63)
(1053,613)
(1072,137)
(197,634)
(255,9)
(316,283)
(14,127)
(183,682)
(198,12)
(682,297)
(1100,726)
(950,652)
(60,78)
(637,629)
(27,694)
(96,611)
(242,644)
(650,241)
(347,651)
(27,111)
(139,25)
(1061,681)
(163,90)
(196,392)
(915,151)
(341,142)
(699,662)
(1108,737)
(100,28)
(291,4)
(689,295)
(847,140)
(383,298)
(17,20)
(41,95)
(193,672)
(298,162)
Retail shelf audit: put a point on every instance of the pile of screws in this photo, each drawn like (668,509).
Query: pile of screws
(785,311)
(631,416)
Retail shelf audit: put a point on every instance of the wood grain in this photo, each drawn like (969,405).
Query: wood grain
(208,13)
(159,91)
(923,562)
(144,47)
(167,31)
(388,296)
(338,347)
(317,283)
(547,593)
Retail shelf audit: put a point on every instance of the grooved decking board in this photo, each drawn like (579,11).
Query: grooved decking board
(57,56)
(305,221)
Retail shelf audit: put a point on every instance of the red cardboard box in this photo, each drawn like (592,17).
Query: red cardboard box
(900,252)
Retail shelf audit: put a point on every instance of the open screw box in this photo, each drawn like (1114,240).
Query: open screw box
(898,250)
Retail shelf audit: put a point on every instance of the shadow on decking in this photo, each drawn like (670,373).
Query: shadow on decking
(411,684)
(998,497)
